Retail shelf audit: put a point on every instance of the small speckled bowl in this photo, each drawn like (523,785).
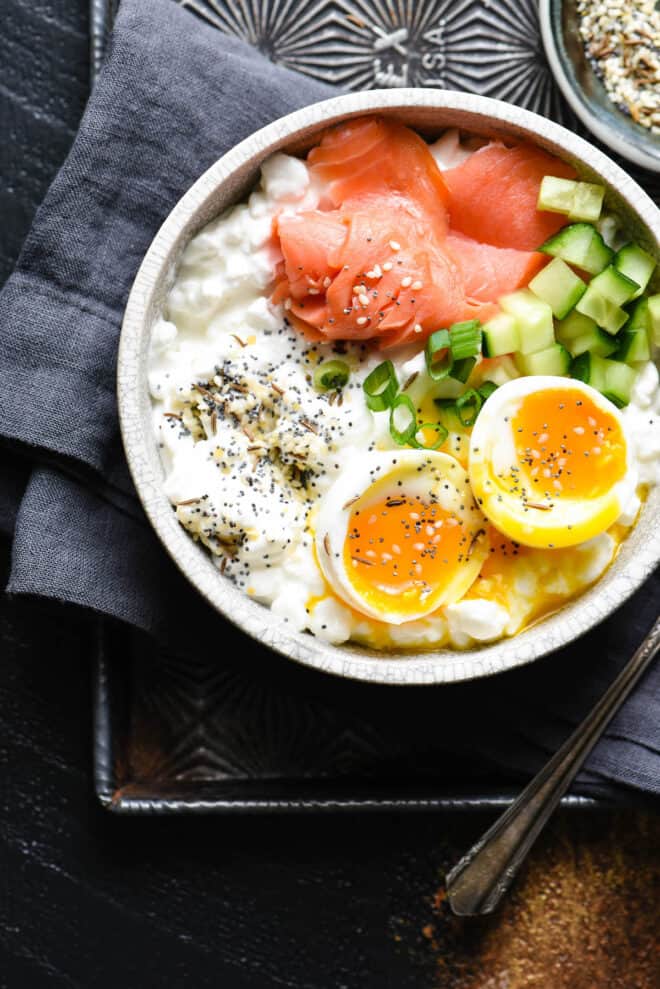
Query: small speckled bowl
(227,182)
(585,91)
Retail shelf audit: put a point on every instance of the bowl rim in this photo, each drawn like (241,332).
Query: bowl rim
(258,621)
(634,152)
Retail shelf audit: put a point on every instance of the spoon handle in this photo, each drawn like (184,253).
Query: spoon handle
(477,883)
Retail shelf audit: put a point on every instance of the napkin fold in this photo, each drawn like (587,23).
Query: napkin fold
(175,94)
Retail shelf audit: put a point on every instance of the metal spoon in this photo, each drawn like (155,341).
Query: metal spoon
(479,881)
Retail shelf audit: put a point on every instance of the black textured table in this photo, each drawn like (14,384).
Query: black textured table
(92,900)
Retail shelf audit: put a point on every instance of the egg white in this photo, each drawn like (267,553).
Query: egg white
(569,521)
(415,473)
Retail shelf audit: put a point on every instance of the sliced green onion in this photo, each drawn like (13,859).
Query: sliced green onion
(465,339)
(402,413)
(468,406)
(380,387)
(438,356)
(487,389)
(441,430)
(445,403)
(331,374)
(462,369)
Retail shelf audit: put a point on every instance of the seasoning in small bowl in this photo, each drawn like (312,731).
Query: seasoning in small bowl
(622,39)
(605,57)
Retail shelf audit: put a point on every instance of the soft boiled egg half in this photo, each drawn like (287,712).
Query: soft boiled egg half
(399,534)
(550,463)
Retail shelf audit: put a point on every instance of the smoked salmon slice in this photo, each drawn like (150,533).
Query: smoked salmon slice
(489,272)
(493,195)
(373,157)
(383,259)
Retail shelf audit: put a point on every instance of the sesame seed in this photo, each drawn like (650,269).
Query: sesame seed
(406,282)
(395,245)
(361,320)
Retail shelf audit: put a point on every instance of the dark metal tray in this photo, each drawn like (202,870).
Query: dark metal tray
(203,736)
(255,733)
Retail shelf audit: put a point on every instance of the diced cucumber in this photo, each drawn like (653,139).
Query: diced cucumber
(551,360)
(654,318)
(633,346)
(619,381)
(613,285)
(591,369)
(500,335)
(534,318)
(612,378)
(596,340)
(575,325)
(559,286)
(605,295)
(636,264)
(587,202)
(640,318)
(556,195)
(602,311)
(577,200)
(581,245)
(579,333)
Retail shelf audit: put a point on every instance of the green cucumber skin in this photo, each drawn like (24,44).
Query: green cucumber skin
(654,318)
(619,381)
(640,318)
(605,313)
(599,343)
(573,326)
(635,263)
(612,378)
(614,286)
(500,336)
(582,245)
(590,369)
(634,346)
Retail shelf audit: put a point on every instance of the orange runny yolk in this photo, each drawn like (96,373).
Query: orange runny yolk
(400,549)
(567,446)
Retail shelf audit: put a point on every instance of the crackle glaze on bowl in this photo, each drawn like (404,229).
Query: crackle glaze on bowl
(227,182)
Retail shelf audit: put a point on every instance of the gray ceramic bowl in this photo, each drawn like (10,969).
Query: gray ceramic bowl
(227,182)
(585,91)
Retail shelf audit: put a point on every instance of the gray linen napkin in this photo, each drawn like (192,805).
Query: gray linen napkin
(173,95)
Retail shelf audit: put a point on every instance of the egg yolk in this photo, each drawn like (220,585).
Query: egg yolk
(567,446)
(405,547)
